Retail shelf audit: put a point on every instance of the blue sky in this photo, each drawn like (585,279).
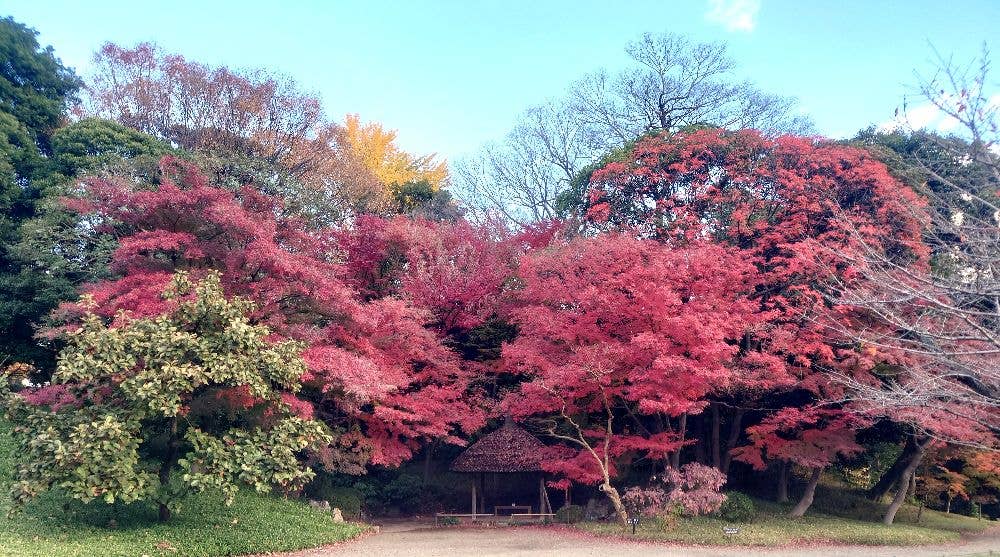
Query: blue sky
(452,74)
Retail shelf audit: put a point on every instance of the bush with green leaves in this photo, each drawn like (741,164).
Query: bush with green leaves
(570,514)
(738,507)
(325,487)
(196,398)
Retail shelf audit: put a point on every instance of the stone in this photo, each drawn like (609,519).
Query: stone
(337,515)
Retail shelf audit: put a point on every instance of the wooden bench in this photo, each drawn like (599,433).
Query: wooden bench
(531,518)
(511,509)
(516,518)
(464,518)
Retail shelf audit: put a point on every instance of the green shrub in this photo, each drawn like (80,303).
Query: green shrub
(664,522)
(405,491)
(570,514)
(325,488)
(109,448)
(738,507)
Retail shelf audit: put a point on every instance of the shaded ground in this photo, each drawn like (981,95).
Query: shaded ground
(423,540)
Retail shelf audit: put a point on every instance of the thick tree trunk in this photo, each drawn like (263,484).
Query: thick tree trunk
(700,448)
(169,460)
(807,497)
(735,426)
(904,482)
(428,460)
(675,458)
(783,470)
(616,502)
(891,476)
(716,453)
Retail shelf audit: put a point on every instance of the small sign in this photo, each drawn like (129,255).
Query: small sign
(633,521)
(731,530)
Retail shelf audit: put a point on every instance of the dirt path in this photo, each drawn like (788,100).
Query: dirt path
(421,540)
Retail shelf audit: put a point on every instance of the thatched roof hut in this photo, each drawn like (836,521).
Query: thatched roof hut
(508,449)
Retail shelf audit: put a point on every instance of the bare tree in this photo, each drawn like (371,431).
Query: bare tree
(674,82)
(940,322)
(520,179)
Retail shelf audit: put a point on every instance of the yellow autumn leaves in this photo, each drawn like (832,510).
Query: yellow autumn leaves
(375,146)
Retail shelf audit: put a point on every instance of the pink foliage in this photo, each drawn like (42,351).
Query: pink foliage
(373,362)
(645,501)
(812,437)
(790,206)
(53,396)
(456,271)
(626,323)
(696,489)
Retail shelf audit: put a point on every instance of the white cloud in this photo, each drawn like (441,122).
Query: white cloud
(734,15)
(923,116)
(929,116)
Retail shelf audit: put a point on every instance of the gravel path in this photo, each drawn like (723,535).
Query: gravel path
(419,540)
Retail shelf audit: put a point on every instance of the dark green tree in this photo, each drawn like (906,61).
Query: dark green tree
(52,251)
(35,88)
(35,91)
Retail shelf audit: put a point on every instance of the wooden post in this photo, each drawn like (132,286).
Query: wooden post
(473,495)
(541,496)
(482,493)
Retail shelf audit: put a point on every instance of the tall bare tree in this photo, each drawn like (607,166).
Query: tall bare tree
(673,82)
(520,178)
(940,322)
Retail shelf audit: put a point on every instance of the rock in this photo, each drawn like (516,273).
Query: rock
(337,515)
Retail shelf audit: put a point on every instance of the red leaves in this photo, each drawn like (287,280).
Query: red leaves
(617,322)
(812,437)
(372,360)
(454,270)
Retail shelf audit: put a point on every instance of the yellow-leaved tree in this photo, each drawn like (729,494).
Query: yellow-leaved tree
(375,146)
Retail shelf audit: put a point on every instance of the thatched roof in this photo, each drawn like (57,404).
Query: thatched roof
(508,449)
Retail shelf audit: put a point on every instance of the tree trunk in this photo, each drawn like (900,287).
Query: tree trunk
(735,427)
(920,510)
(783,469)
(947,506)
(807,497)
(716,454)
(700,447)
(166,467)
(616,502)
(897,501)
(893,474)
(428,457)
(675,459)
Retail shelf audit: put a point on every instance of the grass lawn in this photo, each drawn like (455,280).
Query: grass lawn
(772,527)
(204,527)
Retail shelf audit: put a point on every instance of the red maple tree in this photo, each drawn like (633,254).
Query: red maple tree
(373,365)
(617,333)
(811,437)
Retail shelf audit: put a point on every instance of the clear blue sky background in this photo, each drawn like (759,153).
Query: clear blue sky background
(452,74)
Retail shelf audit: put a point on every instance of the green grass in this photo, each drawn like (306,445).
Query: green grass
(204,527)
(772,527)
